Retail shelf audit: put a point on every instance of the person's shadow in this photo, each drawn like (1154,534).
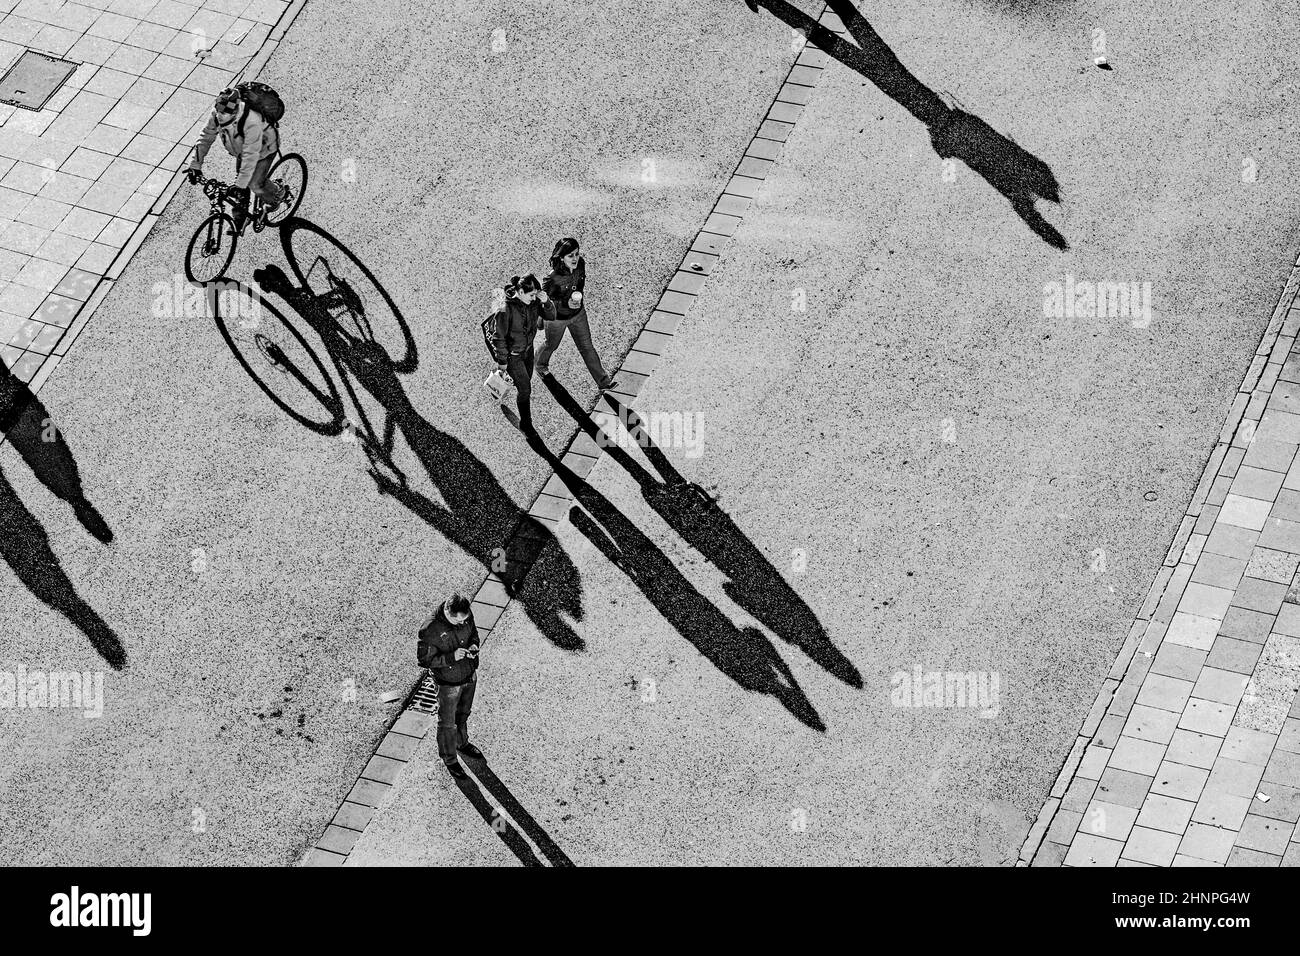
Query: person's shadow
(24,544)
(744,654)
(752,581)
(955,134)
(476,513)
(500,824)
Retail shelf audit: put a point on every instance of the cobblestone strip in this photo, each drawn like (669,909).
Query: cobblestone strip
(552,504)
(1191,753)
(83,180)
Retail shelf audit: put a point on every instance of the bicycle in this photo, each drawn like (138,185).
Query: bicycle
(209,254)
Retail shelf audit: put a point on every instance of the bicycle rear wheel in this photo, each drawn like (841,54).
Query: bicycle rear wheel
(211,249)
(344,287)
(277,357)
(290,174)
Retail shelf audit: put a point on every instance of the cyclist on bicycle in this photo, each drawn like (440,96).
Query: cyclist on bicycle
(253,142)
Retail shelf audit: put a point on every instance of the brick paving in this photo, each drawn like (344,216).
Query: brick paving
(418,715)
(1191,754)
(84,179)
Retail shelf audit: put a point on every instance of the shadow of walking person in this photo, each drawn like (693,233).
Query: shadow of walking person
(476,513)
(24,544)
(744,654)
(752,582)
(1017,174)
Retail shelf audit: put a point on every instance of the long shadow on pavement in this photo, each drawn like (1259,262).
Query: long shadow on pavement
(744,654)
(24,544)
(1013,171)
(752,582)
(499,824)
(507,801)
(369,342)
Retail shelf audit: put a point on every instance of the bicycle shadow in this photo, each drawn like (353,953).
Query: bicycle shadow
(24,544)
(476,513)
(744,654)
(1017,174)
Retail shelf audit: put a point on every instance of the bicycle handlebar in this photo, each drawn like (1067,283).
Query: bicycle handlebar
(214,188)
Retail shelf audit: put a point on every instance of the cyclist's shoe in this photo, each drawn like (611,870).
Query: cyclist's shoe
(194,175)
(271,209)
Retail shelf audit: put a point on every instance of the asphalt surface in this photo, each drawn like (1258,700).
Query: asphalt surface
(824,431)
(949,458)
(263,594)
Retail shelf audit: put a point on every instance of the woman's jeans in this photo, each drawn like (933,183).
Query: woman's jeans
(520,368)
(581,331)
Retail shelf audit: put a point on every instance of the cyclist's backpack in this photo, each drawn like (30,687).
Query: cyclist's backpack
(263,99)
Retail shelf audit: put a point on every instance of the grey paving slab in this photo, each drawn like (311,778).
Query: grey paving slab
(1090,850)
(1166,813)
(1212,844)
(1275,801)
(1156,847)
(1181,781)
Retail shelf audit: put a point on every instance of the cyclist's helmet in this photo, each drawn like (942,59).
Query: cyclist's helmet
(228,100)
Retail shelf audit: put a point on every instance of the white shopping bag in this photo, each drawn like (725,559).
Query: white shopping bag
(498,385)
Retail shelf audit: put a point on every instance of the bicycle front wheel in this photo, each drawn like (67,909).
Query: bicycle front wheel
(211,249)
(290,174)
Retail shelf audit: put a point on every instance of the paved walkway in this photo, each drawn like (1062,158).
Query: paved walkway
(1191,754)
(418,717)
(83,180)
(184,729)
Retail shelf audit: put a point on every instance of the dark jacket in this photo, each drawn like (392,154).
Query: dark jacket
(560,285)
(438,642)
(515,326)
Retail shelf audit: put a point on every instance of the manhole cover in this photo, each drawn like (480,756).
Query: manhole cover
(34,79)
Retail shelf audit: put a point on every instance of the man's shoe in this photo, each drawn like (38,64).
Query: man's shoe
(456,770)
(469,750)
(609,386)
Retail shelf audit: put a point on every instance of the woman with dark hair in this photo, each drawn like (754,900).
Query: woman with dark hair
(565,287)
(518,319)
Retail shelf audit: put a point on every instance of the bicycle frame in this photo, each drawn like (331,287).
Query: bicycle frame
(218,194)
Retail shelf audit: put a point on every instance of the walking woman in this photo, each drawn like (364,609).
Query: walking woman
(526,306)
(565,286)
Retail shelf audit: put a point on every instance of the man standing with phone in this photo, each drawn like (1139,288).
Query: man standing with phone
(449,648)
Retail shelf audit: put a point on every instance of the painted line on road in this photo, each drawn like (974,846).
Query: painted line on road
(418,713)
(1147,631)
